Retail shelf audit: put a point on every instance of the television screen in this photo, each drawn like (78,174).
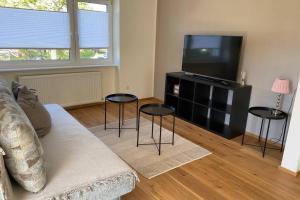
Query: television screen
(212,55)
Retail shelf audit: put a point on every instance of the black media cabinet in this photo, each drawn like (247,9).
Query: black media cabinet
(215,106)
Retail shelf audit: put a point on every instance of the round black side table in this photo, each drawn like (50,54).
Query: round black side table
(121,99)
(156,110)
(266,113)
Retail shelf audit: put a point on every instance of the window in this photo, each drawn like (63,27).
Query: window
(53,31)
(93,29)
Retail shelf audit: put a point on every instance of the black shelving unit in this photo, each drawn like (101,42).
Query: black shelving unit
(219,108)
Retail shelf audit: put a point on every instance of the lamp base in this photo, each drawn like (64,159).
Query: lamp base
(277,111)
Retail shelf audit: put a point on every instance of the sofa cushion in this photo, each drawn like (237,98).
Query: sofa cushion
(18,139)
(79,165)
(35,111)
(6,192)
(15,86)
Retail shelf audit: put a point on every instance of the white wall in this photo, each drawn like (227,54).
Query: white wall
(138,35)
(271,29)
(291,156)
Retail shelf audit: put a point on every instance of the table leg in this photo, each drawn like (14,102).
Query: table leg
(264,150)
(261,128)
(284,132)
(159,147)
(105,114)
(152,126)
(138,129)
(123,106)
(243,138)
(137,113)
(173,137)
(119,120)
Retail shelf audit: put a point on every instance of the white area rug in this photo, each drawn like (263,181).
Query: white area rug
(145,158)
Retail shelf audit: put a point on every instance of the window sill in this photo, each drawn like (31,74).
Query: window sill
(22,69)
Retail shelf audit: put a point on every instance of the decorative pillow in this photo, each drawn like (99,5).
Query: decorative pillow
(15,88)
(6,192)
(24,154)
(35,111)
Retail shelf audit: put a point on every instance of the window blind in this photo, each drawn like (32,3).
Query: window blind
(93,29)
(21,28)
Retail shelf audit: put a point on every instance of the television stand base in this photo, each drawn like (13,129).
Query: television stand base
(208,104)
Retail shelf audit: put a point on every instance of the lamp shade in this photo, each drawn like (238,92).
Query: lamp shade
(281,86)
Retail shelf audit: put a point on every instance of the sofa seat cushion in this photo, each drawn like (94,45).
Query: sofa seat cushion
(79,165)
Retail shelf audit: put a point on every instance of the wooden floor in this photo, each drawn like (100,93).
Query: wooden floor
(231,172)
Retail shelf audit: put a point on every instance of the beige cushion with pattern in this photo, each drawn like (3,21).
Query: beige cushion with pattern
(24,154)
(5,185)
(35,111)
(15,88)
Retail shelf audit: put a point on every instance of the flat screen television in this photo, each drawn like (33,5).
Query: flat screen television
(214,56)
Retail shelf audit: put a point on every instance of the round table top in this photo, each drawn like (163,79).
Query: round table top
(157,109)
(121,98)
(265,112)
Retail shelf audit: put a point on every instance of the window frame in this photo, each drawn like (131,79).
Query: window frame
(74,51)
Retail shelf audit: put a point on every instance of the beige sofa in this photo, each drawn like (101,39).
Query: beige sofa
(79,165)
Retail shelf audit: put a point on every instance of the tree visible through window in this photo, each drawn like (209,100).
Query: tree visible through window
(49,5)
(91,46)
(52,40)
(34,54)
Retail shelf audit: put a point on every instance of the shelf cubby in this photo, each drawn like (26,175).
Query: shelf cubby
(220,129)
(170,83)
(219,108)
(185,109)
(200,115)
(172,101)
(220,99)
(202,94)
(217,116)
(186,90)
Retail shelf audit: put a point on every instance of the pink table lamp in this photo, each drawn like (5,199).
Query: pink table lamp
(280,86)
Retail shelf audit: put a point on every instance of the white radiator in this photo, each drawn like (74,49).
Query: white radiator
(66,89)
